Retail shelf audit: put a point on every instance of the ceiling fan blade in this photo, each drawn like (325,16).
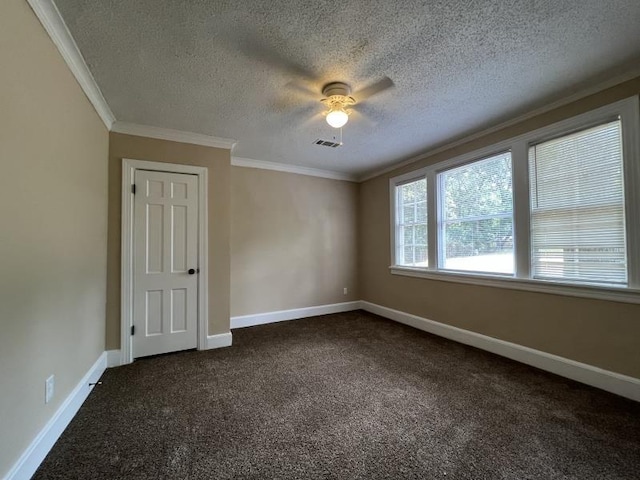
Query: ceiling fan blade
(255,48)
(316,120)
(360,117)
(302,90)
(374,89)
(295,96)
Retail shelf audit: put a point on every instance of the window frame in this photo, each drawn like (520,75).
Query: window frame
(399,181)
(398,235)
(629,254)
(440,253)
(628,111)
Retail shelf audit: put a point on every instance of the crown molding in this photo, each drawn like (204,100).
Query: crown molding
(612,82)
(172,135)
(52,21)
(282,167)
(50,18)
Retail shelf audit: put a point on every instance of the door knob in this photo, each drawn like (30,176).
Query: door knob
(191,271)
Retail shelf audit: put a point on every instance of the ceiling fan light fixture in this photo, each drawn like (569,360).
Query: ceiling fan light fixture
(337,99)
(337,118)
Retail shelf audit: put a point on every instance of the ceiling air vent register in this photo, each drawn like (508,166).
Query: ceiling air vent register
(327,143)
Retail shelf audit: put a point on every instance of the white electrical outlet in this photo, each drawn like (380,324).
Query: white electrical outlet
(345,290)
(49,385)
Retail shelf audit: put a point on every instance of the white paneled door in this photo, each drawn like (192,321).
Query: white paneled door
(165,263)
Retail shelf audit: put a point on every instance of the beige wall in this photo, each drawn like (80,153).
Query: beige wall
(218,161)
(61,172)
(600,333)
(293,241)
(53,186)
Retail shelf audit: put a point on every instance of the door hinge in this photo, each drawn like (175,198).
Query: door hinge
(133,329)
(133,188)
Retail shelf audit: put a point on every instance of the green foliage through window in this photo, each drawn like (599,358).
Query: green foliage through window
(477,220)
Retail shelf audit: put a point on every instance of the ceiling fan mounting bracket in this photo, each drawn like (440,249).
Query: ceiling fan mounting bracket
(337,97)
(336,88)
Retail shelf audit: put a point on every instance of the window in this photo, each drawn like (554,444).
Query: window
(577,207)
(411,230)
(553,210)
(477,216)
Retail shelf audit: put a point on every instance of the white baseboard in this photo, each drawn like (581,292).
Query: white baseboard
(219,341)
(114,358)
(33,456)
(622,385)
(294,314)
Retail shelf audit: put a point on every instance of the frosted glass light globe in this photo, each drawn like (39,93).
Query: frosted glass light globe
(337,118)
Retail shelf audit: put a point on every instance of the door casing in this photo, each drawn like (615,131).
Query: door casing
(129,168)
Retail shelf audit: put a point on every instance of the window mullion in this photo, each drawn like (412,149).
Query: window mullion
(521,204)
(631,162)
(415,225)
(396,221)
(432,221)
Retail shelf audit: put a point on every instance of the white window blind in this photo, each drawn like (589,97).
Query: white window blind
(577,207)
(411,218)
(476,227)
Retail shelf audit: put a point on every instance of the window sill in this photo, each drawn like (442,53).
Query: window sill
(614,294)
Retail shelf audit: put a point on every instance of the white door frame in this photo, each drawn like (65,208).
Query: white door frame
(129,168)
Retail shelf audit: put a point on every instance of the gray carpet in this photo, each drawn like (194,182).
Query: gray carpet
(348,396)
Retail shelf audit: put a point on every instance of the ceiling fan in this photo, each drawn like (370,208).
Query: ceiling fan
(338,99)
(337,96)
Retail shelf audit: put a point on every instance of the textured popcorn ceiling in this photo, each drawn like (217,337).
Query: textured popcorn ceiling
(253,70)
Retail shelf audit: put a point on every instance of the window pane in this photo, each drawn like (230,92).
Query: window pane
(408,235)
(408,213)
(480,246)
(408,255)
(421,255)
(478,189)
(477,224)
(411,224)
(408,193)
(421,212)
(577,207)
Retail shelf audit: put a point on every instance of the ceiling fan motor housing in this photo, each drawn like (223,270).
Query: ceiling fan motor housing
(337,96)
(336,88)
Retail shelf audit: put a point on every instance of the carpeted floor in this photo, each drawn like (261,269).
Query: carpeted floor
(348,396)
